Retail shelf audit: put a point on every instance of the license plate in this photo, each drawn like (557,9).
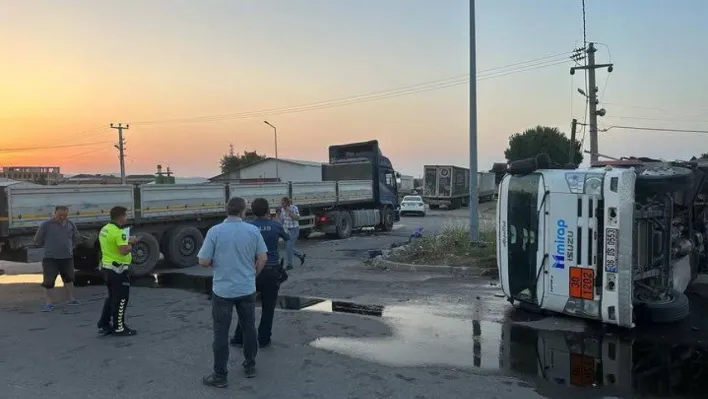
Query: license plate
(611,248)
(582,370)
(582,283)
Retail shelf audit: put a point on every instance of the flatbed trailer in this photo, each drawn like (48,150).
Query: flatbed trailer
(172,219)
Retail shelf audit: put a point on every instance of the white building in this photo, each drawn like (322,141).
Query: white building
(265,170)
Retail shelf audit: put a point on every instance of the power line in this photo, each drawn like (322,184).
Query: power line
(654,129)
(653,119)
(21,149)
(691,112)
(375,96)
(91,132)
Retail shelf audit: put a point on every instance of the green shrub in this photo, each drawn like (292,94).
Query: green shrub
(451,247)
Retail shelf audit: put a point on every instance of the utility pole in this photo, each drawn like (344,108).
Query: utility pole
(571,150)
(474,198)
(121,149)
(592,97)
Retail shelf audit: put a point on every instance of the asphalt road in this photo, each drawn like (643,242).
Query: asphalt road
(386,335)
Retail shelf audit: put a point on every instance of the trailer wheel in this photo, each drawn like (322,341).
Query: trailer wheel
(663,178)
(146,254)
(344,225)
(183,244)
(673,308)
(387,219)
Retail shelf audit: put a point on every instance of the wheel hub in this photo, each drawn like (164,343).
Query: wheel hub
(140,253)
(187,246)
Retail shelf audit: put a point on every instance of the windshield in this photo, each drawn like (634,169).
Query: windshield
(412,199)
(522,231)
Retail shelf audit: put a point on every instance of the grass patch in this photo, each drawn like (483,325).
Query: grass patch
(452,247)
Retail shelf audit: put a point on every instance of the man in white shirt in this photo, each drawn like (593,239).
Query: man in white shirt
(289,217)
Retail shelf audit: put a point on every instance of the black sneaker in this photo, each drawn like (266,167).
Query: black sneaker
(264,344)
(302,259)
(125,332)
(249,370)
(215,380)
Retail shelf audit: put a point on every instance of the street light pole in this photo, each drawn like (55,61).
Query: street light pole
(275,133)
(474,198)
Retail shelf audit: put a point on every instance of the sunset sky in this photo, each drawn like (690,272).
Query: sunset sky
(70,68)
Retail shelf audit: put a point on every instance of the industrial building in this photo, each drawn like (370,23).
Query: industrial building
(34,174)
(265,171)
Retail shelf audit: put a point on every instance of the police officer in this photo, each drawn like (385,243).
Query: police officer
(269,279)
(115,262)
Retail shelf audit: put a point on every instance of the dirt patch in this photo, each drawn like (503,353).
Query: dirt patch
(452,247)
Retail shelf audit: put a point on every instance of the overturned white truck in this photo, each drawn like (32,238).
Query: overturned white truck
(617,242)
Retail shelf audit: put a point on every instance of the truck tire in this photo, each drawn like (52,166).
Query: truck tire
(344,225)
(146,254)
(663,178)
(387,219)
(673,309)
(183,244)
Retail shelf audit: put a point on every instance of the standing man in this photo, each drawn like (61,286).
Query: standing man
(289,216)
(237,253)
(115,264)
(58,236)
(268,281)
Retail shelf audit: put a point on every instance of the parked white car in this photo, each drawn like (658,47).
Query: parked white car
(412,204)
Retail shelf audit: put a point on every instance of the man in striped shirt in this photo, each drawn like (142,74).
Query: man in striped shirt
(289,217)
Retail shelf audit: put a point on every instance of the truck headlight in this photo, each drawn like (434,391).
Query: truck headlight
(593,184)
(584,183)
(576,182)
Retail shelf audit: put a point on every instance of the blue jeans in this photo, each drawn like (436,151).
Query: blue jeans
(222,311)
(290,249)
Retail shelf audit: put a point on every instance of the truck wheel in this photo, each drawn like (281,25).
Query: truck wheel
(146,254)
(183,245)
(663,178)
(344,225)
(387,219)
(673,308)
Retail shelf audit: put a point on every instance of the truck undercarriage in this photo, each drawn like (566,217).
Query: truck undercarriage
(669,249)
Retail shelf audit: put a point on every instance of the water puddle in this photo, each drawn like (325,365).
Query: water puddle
(598,363)
(559,354)
(425,337)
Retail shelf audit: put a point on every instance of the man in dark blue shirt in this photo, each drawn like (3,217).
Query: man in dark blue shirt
(269,279)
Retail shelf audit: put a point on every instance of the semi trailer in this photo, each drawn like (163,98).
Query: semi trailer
(359,190)
(617,242)
(449,186)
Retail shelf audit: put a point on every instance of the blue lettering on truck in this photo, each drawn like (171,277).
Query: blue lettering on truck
(559,242)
